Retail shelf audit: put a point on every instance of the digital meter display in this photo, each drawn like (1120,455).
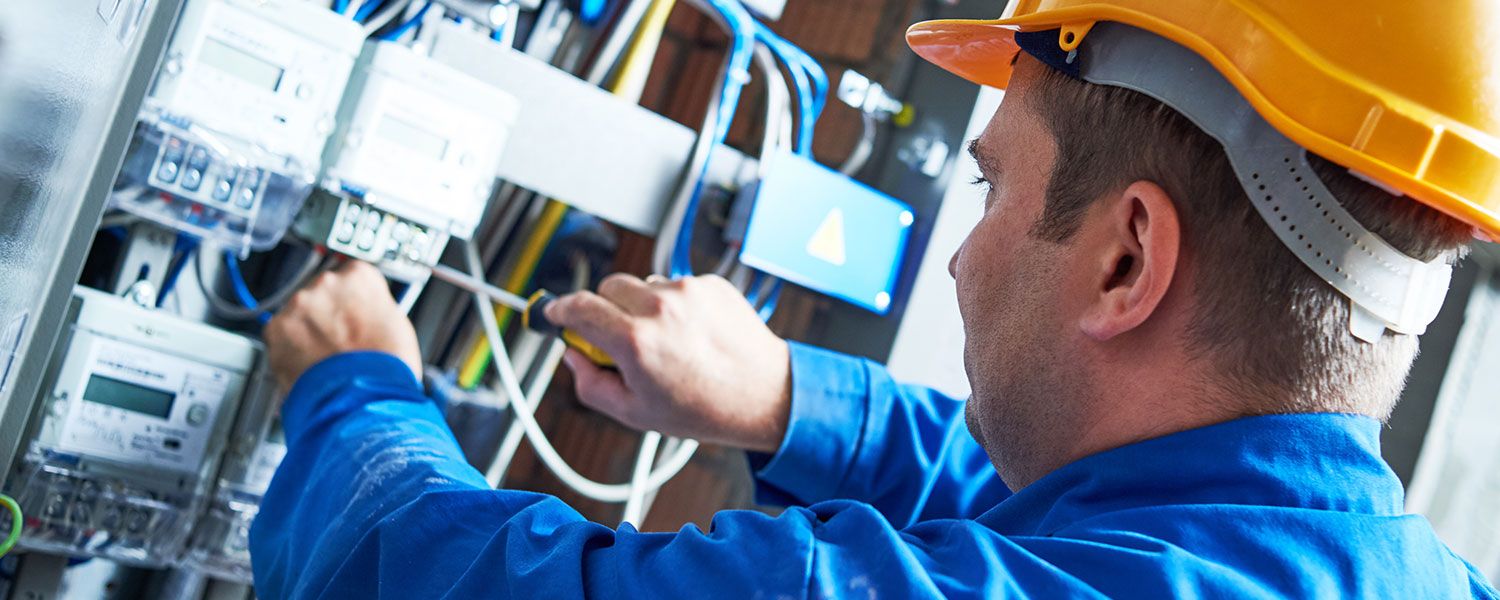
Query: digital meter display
(129,396)
(413,137)
(241,64)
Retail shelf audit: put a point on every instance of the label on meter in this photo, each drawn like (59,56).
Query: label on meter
(143,407)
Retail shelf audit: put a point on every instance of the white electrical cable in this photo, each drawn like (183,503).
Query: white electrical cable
(624,30)
(551,360)
(516,433)
(666,241)
(555,462)
(635,505)
(778,123)
(866,146)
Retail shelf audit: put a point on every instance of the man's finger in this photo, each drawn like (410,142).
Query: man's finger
(598,320)
(598,388)
(632,294)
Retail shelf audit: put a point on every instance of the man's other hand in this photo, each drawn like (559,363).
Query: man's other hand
(694,360)
(341,311)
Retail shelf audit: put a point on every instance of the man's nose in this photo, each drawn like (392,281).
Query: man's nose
(953,263)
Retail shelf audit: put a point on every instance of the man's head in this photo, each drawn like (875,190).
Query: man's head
(1121,285)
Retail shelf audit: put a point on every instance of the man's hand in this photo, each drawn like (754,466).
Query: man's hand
(694,360)
(341,311)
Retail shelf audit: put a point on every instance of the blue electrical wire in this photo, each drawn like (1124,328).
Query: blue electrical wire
(185,246)
(741,53)
(810,81)
(241,290)
(401,29)
(808,77)
(768,307)
(367,8)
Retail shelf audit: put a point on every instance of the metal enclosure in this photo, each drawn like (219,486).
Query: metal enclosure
(72,76)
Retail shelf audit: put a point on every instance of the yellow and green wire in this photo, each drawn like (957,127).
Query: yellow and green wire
(15,524)
(628,84)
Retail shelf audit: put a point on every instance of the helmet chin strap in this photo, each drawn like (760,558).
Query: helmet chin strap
(1386,288)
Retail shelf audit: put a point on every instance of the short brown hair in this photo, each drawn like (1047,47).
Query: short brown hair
(1274,330)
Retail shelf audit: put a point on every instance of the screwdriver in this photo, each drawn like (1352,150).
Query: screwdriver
(533,315)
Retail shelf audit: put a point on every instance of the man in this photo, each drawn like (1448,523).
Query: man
(1184,399)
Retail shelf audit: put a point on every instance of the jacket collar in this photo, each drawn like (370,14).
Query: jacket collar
(1314,461)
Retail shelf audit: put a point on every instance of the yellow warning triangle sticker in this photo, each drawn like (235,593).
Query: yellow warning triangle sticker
(827,242)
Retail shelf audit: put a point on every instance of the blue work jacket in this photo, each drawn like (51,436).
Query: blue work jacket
(888,496)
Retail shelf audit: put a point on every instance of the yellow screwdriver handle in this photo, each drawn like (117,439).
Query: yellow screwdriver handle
(535,319)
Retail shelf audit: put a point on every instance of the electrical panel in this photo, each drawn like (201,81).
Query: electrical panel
(411,163)
(133,419)
(229,139)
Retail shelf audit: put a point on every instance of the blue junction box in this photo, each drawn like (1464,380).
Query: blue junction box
(819,229)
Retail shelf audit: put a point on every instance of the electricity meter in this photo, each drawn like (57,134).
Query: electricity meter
(228,142)
(220,544)
(411,163)
(128,431)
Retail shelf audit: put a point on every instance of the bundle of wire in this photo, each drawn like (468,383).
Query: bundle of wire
(811,83)
(376,14)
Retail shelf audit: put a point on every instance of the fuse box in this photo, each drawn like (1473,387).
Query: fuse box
(229,139)
(412,161)
(135,410)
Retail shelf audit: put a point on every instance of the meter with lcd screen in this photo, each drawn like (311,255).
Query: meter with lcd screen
(411,163)
(229,140)
(129,431)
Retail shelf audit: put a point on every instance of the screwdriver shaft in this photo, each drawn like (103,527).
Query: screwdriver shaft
(469,284)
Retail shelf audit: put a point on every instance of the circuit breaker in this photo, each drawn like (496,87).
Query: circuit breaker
(228,142)
(411,163)
(129,431)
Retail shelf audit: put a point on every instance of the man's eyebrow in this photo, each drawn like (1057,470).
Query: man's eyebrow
(980,156)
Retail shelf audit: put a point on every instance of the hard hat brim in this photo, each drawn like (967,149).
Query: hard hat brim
(978,50)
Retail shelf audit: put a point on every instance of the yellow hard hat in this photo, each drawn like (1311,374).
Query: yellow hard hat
(1405,93)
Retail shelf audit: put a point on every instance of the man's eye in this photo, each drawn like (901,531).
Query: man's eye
(980,181)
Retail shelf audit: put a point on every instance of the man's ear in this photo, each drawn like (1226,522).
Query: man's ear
(1138,245)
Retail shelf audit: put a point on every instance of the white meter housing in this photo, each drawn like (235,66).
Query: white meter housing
(419,140)
(220,544)
(230,136)
(129,432)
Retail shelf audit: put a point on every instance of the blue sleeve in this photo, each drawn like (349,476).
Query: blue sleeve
(855,434)
(374,500)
